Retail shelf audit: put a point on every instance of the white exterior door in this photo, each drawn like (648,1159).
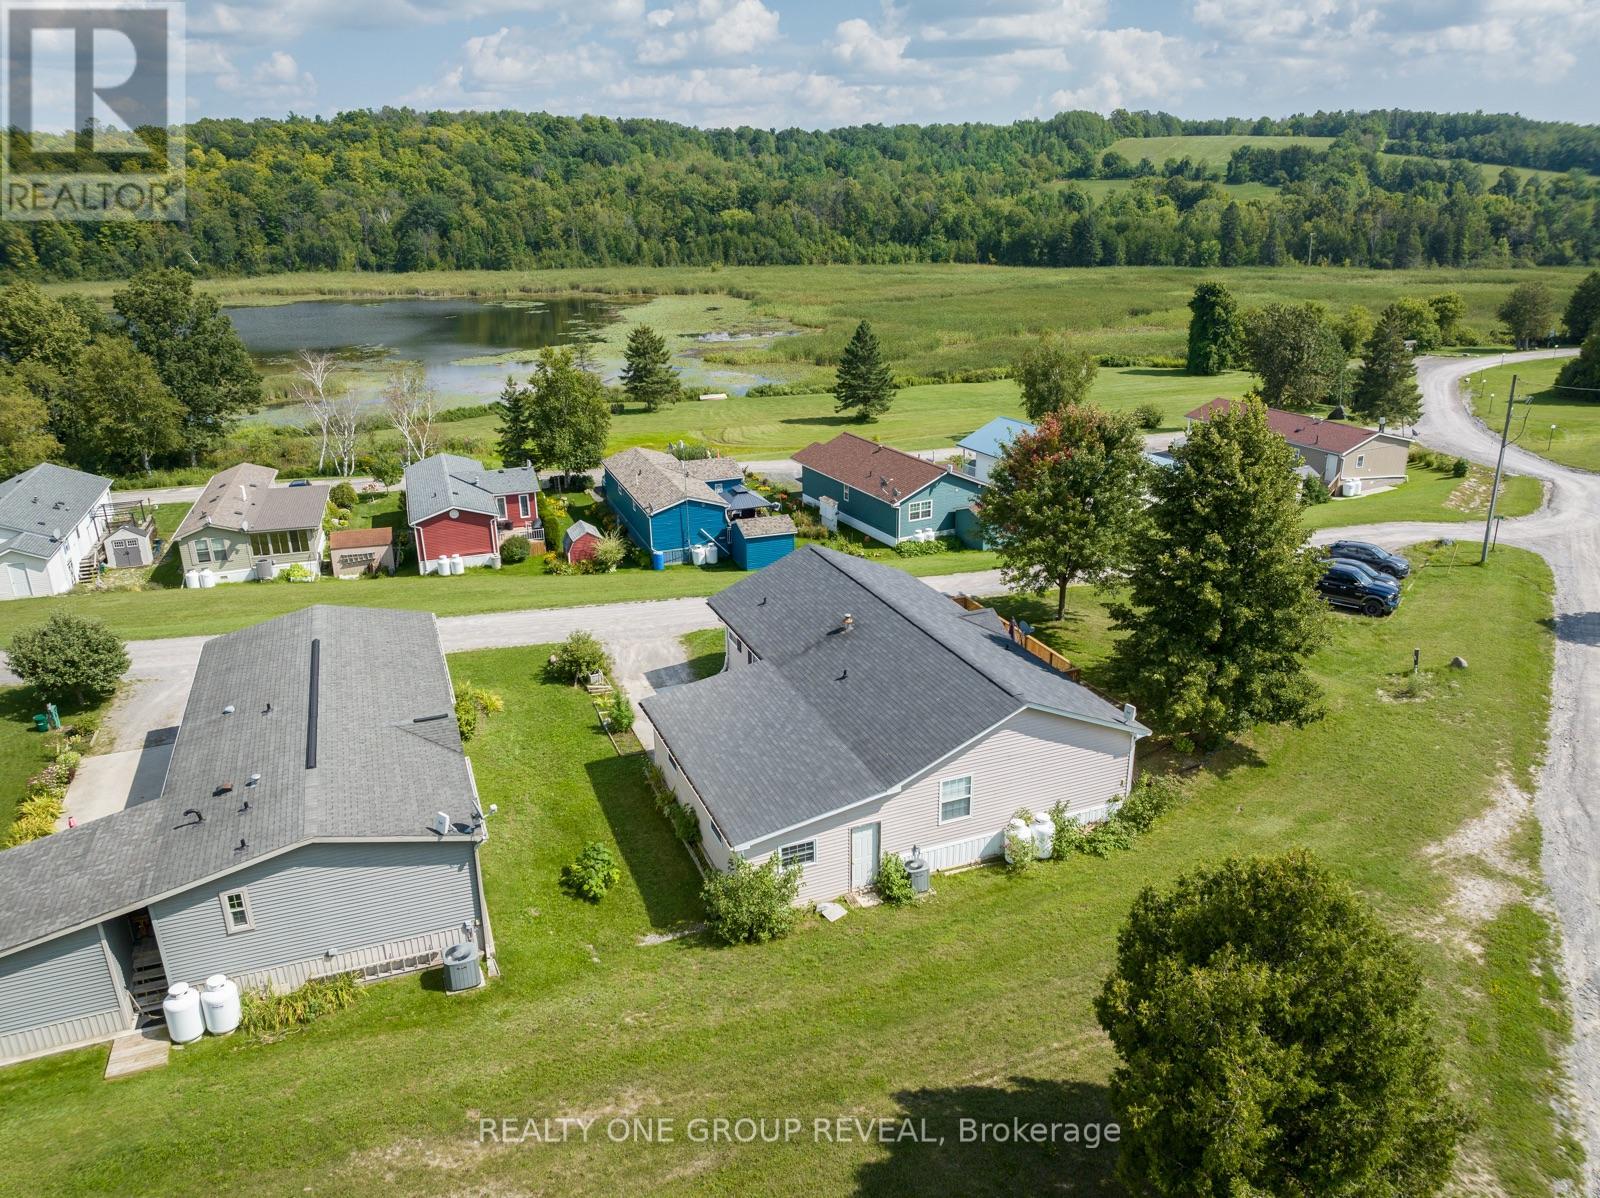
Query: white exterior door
(863,856)
(17,576)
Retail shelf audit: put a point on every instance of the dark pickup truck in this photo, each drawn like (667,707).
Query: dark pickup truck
(1350,584)
(1375,558)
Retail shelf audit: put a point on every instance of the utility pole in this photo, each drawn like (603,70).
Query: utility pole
(1499,468)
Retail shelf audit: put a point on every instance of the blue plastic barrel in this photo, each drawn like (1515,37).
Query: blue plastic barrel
(658,560)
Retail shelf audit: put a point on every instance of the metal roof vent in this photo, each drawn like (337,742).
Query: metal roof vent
(848,622)
(228,710)
(223,788)
(252,779)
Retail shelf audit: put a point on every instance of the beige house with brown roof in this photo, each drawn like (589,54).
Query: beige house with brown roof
(242,527)
(1337,452)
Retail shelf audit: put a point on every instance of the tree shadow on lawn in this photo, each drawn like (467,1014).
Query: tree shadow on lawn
(1575,627)
(654,857)
(990,1165)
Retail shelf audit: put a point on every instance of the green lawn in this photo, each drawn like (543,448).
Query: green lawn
(975,1004)
(22,750)
(1575,414)
(1432,495)
(174,611)
(706,649)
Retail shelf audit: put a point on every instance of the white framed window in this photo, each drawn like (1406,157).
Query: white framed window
(919,509)
(522,506)
(845,496)
(500,506)
(803,853)
(1361,460)
(236,913)
(955,799)
(202,550)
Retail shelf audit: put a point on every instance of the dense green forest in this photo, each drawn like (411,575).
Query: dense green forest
(402,190)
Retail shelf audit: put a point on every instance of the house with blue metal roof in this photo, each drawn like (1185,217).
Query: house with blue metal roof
(670,506)
(982,449)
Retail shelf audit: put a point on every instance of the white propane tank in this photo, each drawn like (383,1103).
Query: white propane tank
(191,579)
(1044,835)
(182,1009)
(219,1004)
(207,579)
(697,554)
(443,565)
(457,566)
(711,554)
(1019,827)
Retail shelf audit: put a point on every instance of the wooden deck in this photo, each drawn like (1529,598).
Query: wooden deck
(137,1051)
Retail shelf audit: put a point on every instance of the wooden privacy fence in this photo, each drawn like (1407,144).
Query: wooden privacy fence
(1028,641)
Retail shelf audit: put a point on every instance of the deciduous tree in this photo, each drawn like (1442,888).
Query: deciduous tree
(1584,370)
(1064,502)
(568,416)
(863,384)
(69,658)
(25,436)
(1274,1039)
(1583,309)
(1295,353)
(125,414)
(1222,612)
(1529,313)
(1053,375)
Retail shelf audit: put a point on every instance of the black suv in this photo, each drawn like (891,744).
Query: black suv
(1350,584)
(1373,557)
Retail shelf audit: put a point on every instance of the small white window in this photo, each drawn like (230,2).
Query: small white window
(955,799)
(920,509)
(522,505)
(202,550)
(1361,460)
(845,497)
(803,853)
(500,505)
(236,914)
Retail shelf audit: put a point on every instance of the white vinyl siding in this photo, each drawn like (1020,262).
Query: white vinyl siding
(955,799)
(236,915)
(1033,760)
(919,509)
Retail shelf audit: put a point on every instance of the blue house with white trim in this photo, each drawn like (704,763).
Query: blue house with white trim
(890,495)
(983,448)
(669,506)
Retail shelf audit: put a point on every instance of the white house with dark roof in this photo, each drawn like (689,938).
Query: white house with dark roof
(51,522)
(243,527)
(318,817)
(860,712)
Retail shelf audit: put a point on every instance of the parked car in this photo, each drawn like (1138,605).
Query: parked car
(1348,584)
(1374,557)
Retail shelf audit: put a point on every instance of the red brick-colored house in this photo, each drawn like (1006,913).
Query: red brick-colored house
(457,507)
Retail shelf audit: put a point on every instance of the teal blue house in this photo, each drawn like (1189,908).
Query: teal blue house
(889,495)
(670,506)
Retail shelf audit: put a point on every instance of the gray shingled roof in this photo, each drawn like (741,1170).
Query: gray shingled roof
(764,526)
(658,480)
(43,504)
(447,481)
(828,717)
(243,499)
(578,528)
(379,773)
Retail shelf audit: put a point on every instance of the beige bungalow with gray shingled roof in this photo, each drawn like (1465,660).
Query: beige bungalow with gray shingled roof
(243,527)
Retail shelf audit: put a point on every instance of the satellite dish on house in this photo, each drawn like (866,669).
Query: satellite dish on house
(440,825)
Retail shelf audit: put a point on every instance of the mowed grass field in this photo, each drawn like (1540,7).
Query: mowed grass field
(975,1004)
(1575,440)
(930,317)
(1432,495)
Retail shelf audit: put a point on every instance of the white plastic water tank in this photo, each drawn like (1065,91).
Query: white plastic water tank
(697,554)
(191,579)
(711,555)
(182,1009)
(457,566)
(219,1004)
(207,579)
(1349,486)
(1018,827)
(1044,835)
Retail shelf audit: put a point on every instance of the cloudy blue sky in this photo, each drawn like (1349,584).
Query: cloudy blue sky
(821,63)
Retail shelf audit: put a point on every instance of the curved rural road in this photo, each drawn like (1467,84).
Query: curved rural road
(1566,533)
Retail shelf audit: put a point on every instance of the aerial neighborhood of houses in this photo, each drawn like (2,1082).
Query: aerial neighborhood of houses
(859,715)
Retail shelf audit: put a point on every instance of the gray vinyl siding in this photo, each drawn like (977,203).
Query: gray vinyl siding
(61,981)
(716,849)
(323,902)
(1033,760)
